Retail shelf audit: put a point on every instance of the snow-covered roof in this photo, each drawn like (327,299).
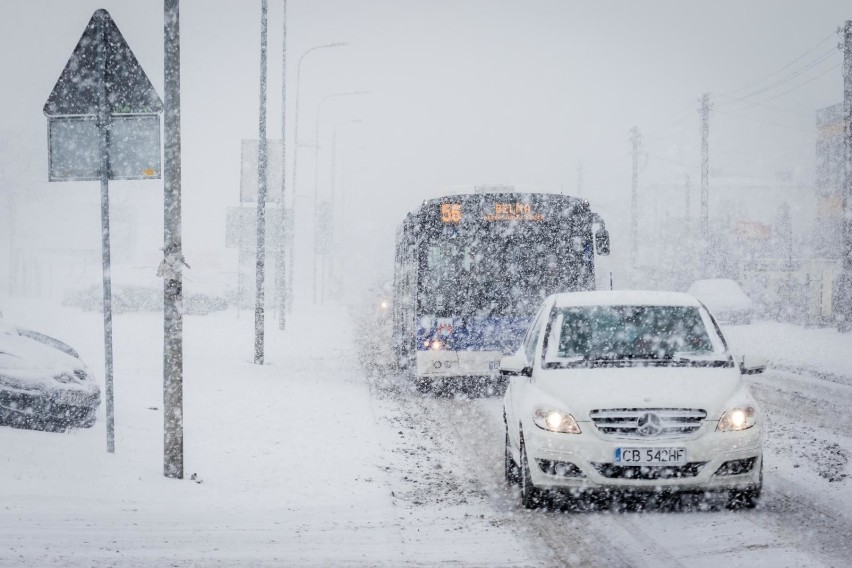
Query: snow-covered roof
(625,298)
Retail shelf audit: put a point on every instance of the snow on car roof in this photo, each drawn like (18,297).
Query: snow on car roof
(625,298)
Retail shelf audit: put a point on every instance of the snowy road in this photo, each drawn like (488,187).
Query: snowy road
(803,519)
(311,461)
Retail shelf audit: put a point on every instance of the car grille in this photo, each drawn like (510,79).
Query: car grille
(645,423)
(611,471)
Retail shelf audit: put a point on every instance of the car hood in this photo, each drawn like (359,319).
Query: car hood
(580,391)
(28,364)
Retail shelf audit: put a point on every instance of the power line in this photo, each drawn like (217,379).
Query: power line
(787,78)
(755,119)
(811,80)
(786,111)
(683,118)
(787,66)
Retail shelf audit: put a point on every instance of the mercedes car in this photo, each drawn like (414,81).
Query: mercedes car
(630,392)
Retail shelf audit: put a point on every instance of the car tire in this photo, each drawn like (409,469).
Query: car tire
(531,496)
(89,422)
(746,498)
(511,470)
(743,498)
(424,386)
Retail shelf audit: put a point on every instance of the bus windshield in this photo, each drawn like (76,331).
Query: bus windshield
(499,275)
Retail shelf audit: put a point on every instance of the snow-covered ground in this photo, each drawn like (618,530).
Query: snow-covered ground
(310,460)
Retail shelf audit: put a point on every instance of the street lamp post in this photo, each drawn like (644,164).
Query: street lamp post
(289,285)
(316,177)
(334,191)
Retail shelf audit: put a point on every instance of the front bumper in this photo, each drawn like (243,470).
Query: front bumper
(441,363)
(586,461)
(36,407)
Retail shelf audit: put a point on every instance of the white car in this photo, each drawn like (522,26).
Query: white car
(43,383)
(634,392)
(725,299)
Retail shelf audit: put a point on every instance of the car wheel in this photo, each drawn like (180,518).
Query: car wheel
(531,496)
(511,470)
(89,422)
(743,498)
(746,498)
(424,386)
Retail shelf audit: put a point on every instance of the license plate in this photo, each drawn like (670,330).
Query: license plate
(650,456)
(72,398)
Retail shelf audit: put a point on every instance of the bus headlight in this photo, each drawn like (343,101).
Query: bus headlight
(436,345)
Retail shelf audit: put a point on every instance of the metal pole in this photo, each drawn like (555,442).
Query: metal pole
(173,252)
(296,165)
(334,208)
(847,127)
(316,180)
(280,261)
(103,129)
(635,139)
(261,196)
(687,241)
(580,178)
(705,179)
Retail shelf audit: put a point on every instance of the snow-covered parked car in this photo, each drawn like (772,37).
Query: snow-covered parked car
(634,392)
(725,299)
(43,383)
(136,289)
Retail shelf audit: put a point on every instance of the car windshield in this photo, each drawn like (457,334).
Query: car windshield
(659,334)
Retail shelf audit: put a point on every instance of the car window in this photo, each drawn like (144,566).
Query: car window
(633,332)
(532,339)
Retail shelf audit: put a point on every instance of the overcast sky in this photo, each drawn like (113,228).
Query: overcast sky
(460,93)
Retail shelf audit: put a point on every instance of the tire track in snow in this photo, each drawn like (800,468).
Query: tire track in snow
(653,537)
(441,506)
(571,540)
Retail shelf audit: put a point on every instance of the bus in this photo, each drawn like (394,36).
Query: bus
(470,271)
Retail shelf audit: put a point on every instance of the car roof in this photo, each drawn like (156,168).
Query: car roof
(624,298)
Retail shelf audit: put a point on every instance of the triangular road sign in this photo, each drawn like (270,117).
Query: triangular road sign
(128,89)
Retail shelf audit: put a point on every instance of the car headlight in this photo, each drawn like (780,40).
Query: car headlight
(738,418)
(555,421)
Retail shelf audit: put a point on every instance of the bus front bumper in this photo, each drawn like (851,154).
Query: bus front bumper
(458,363)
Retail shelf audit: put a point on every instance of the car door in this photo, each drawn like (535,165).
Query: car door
(518,384)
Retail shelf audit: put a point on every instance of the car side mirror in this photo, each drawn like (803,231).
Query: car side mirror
(602,242)
(752,365)
(515,366)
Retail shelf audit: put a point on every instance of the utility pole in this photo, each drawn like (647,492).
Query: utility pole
(580,178)
(262,158)
(687,241)
(705,179)
(280,269)
(841,300)
(636,141)
(847,134)
(173,251)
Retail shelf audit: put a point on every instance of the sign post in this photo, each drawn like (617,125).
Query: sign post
(103,87)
